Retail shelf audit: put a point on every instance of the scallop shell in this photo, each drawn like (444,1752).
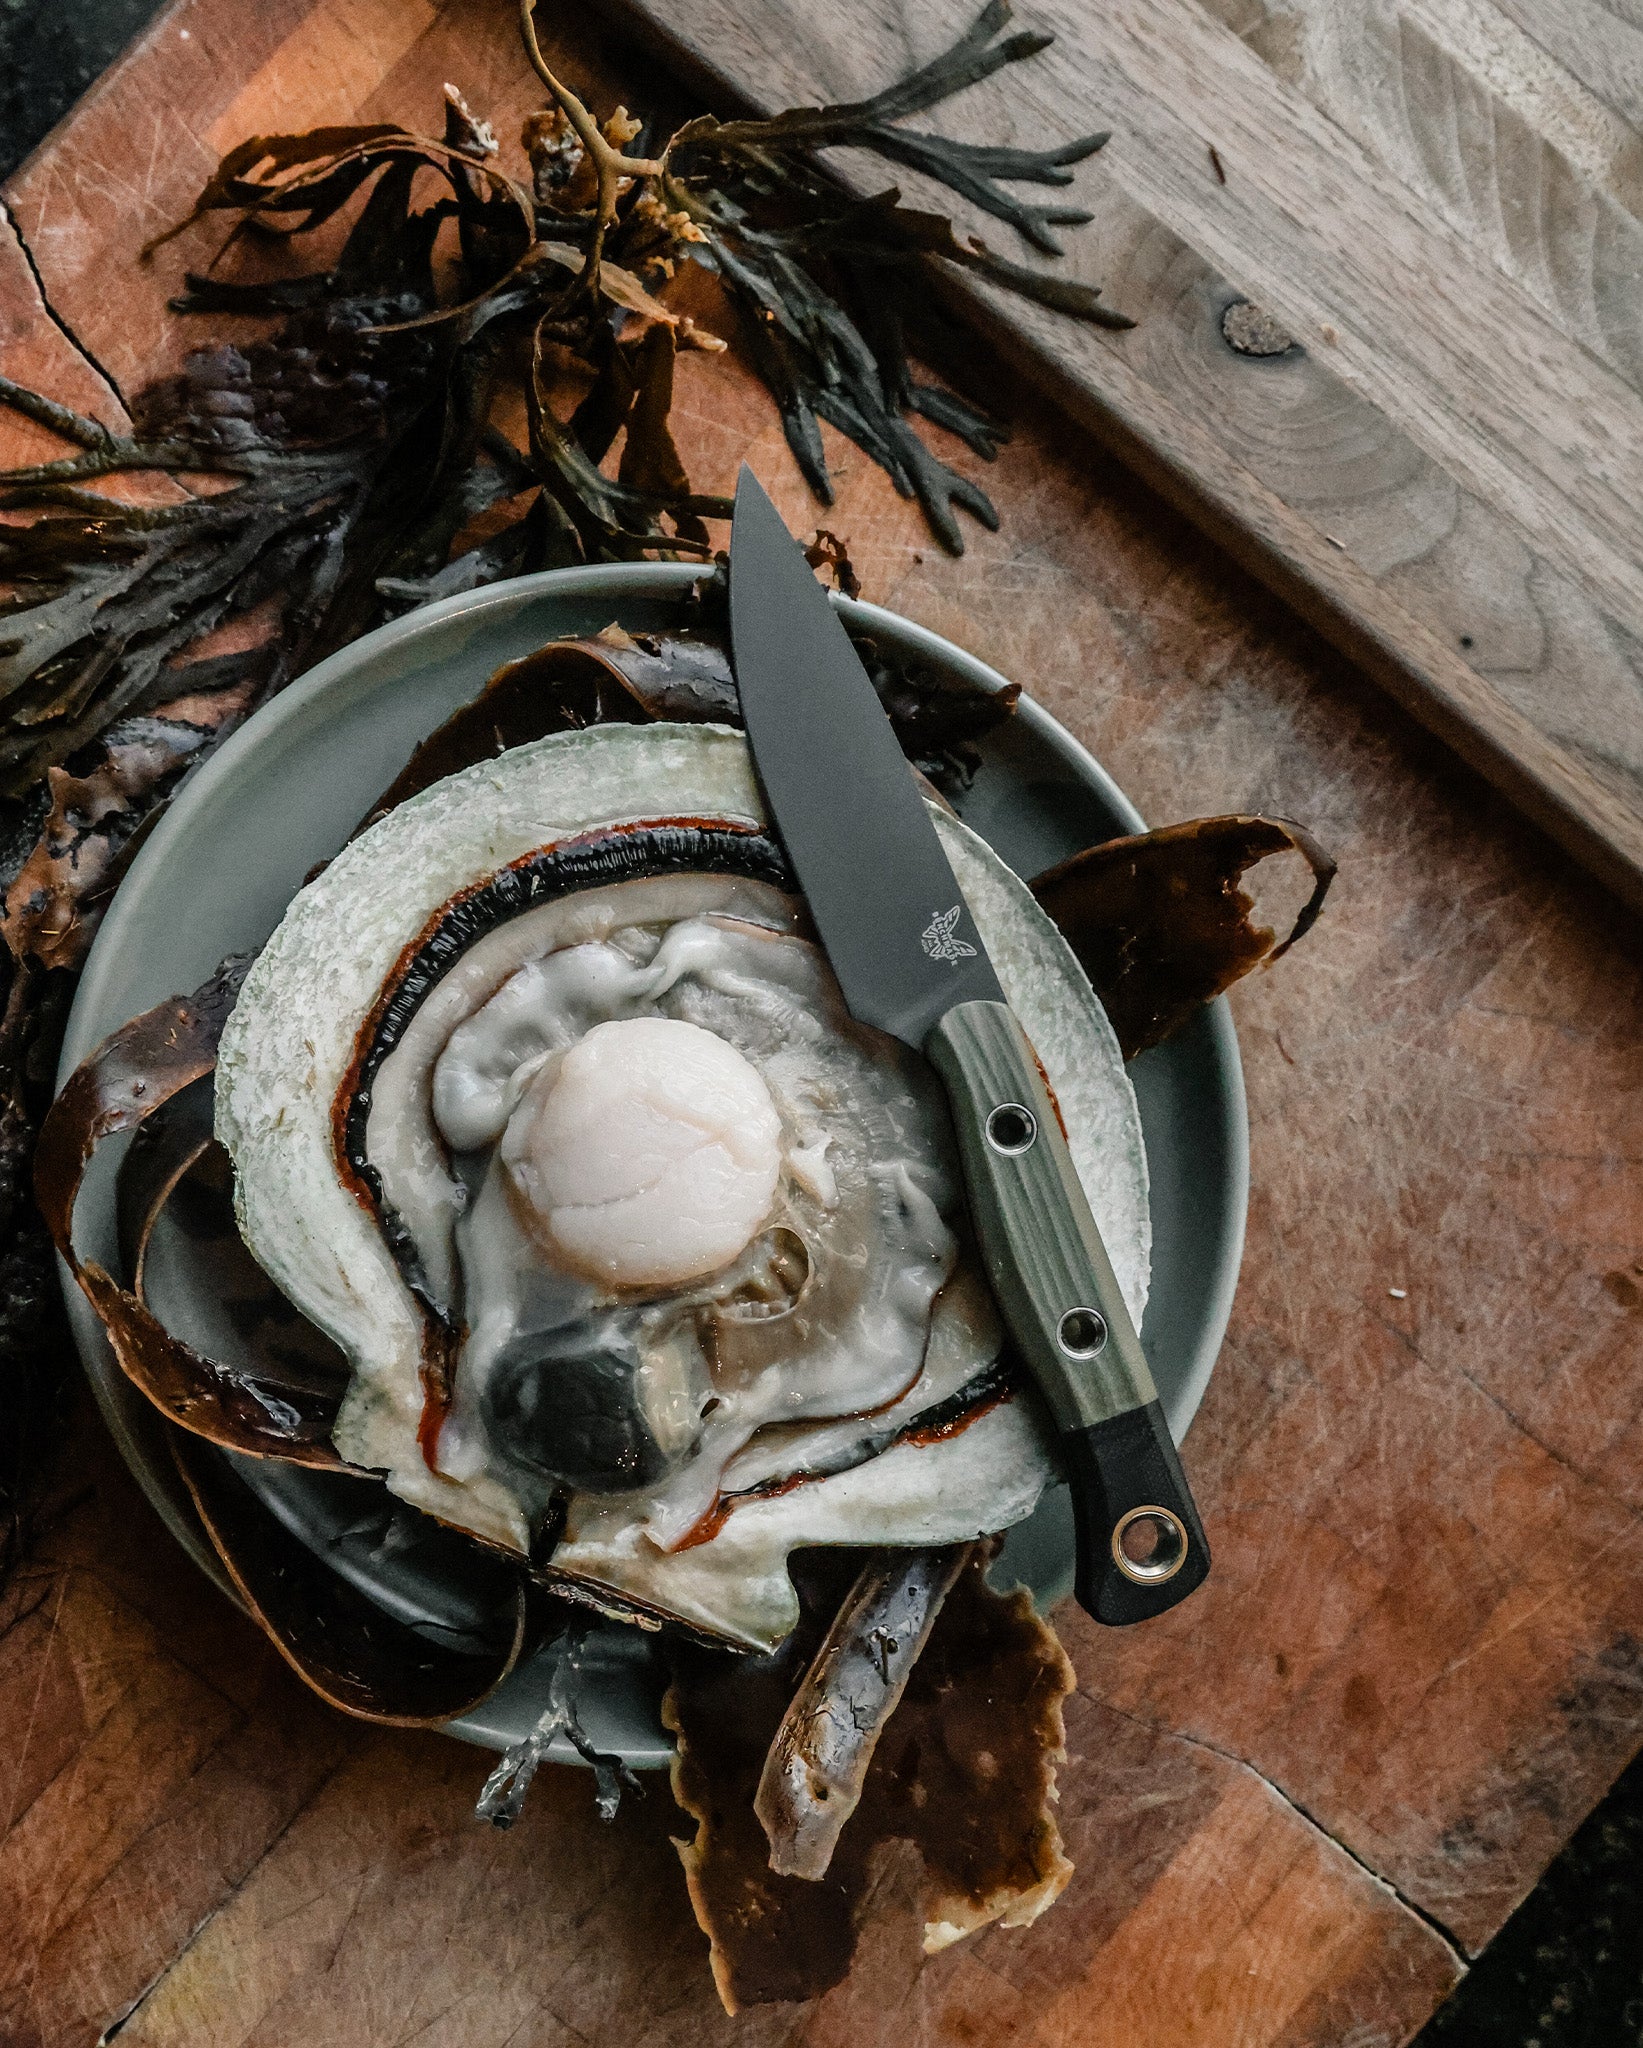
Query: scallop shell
(290,1059)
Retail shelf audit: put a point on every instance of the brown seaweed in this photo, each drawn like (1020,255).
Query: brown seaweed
(1160,924)
(364,445)
(96,813)
(828,552)
(131,1077)
(965,1770)
(166,1148)
(818,1763)
(351,1651)
(176,1171)
(153,1078)
(610,679)
(684,676)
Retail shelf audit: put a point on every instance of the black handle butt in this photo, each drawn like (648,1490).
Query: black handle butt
(1141,1546)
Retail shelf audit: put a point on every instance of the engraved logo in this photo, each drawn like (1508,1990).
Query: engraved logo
(938,941)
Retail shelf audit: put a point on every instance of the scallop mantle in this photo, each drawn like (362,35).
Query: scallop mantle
(290,1044)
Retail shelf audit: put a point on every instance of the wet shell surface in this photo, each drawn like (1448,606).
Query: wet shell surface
(649,1262)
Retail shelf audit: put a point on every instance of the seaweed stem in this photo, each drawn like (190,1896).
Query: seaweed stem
(611,163)
(502,1797)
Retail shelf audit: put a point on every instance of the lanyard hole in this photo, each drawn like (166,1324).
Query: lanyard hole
(1011,1128)
(1148,1545)
(1082,1332)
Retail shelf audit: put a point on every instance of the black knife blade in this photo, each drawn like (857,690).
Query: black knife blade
(911,962)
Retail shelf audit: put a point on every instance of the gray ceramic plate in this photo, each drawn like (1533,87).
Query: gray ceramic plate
(285,792)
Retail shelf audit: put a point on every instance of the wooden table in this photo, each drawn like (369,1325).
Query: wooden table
(1297,1805)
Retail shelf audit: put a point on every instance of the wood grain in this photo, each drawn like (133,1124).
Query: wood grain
(1600,42)
(1435,475)
(1296,1805)
(1532,170)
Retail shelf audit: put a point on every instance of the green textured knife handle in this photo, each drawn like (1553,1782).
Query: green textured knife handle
(1141,1545)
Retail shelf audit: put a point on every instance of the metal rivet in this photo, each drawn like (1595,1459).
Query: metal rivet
(1169,1551)
(1082,1332)
(1011,1128)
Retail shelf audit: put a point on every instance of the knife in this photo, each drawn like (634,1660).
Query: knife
(911,962)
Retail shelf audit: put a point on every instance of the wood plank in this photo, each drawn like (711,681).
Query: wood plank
(1599,41)
(135,149)
(1533,170)
(36,352)
(1437,481)
(1417,1664)
(154,1747)
(1224,1930)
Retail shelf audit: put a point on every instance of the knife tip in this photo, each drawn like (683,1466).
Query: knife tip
(748,488)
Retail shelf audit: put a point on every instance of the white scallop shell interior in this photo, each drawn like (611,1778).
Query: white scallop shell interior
(293,1034)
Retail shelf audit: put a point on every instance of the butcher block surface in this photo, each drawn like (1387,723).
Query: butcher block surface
(1299,1803)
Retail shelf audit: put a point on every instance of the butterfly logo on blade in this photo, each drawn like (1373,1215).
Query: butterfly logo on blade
(938,941)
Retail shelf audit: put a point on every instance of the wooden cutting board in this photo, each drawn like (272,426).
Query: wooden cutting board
(1299,1806)
(1441,207)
